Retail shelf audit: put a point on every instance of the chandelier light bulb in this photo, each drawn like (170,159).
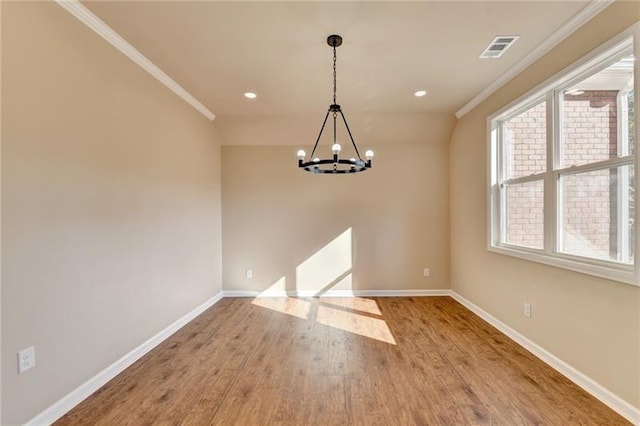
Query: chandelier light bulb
(315,160)
(335,148)
(369,154)
(353,160)
(301,154)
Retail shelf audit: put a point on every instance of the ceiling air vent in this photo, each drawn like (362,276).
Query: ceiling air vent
(498,46)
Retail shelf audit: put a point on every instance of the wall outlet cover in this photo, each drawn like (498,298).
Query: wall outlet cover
(26,359)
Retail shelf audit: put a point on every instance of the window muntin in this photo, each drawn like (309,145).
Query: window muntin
(538,182)
(627,114)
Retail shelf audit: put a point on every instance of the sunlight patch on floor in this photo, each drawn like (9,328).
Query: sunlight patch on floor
(274,298)
(353,303)
(328,269)
(361,325)
(287,305)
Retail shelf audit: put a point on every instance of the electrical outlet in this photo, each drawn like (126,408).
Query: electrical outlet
(527,309)
(249,273)
(26,359)
(426,272)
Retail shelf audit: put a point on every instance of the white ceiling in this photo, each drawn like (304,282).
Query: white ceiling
(219,50)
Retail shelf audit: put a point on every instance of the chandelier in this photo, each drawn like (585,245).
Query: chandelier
(334,165)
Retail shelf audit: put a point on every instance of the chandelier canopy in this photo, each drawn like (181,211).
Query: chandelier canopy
(335,164)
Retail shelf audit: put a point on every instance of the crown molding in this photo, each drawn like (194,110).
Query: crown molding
(586,13)
(96,24)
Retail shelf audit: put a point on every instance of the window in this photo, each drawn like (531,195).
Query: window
(562,168)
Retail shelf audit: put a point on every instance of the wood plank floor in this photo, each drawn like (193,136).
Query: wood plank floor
(331,361)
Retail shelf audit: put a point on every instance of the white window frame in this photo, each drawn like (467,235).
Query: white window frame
(550,90)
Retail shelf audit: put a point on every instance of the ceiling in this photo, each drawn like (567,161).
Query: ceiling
(219,50)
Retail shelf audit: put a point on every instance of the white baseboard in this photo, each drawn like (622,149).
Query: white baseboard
(337,293)
(246,293)
(61,407)
(402,293)
(64,405)
(613,401)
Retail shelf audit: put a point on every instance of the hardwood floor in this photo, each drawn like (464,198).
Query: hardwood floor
(364,361)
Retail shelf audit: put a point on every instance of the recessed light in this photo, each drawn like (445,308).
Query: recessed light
(420,93)
(250,95)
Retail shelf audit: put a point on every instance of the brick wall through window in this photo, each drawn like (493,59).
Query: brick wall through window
(589,209)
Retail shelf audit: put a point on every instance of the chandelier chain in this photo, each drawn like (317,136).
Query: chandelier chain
(334,74)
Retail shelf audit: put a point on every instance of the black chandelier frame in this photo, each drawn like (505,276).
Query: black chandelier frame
(335,165)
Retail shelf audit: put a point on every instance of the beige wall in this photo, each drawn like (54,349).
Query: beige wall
(591,323)
(368,129)
(288,224)
(110,205)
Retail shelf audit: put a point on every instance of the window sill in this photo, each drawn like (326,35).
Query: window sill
(622,273)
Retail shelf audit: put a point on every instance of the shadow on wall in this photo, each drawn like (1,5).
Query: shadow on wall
(329,268)
(371,231)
